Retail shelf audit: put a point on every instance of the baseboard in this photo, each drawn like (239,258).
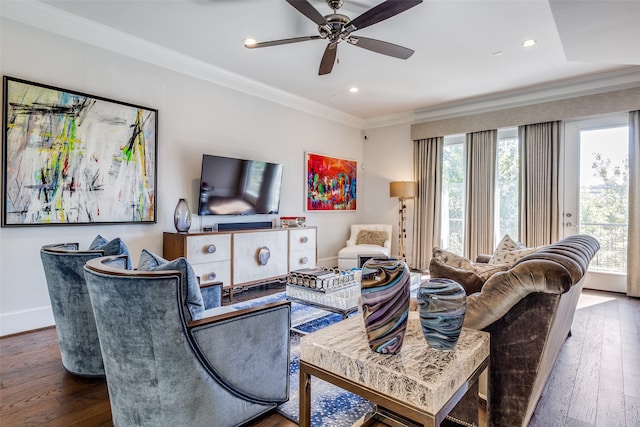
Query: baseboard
(330,262)
(25,320)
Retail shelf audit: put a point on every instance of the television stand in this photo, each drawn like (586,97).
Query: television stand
(244,257)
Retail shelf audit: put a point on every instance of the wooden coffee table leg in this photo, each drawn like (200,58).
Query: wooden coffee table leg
(305,397)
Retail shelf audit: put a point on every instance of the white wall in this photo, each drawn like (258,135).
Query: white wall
(195,117)
(388,156)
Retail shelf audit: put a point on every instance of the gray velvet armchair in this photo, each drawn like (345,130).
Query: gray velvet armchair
(163,369)
(75,325)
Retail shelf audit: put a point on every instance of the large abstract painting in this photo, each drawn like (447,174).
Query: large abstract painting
(331,183)
(73,158)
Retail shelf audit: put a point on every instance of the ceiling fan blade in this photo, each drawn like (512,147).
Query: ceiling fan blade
(379,46)
(384,10)
(309,11)
(328,59)
(283,41)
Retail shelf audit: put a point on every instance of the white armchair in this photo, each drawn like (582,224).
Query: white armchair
(365,239)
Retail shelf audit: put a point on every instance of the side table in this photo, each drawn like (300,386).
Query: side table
(419,383)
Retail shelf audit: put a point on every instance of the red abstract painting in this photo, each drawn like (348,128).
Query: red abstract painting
(331,183)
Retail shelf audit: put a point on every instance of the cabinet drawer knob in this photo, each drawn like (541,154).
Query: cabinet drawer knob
(304,260)
(304,239)
(263,255)
(211,249)
(211,276)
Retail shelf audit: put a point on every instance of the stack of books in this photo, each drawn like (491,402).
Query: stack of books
(321,279)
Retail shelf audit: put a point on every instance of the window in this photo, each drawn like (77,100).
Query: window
(453,189)
(453,194)
(507,184)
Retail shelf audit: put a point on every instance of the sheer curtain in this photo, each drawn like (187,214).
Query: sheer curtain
(480,153)
(539,192)
(633,245)
(427,167)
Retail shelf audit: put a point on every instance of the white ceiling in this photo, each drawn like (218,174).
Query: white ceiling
(578,41)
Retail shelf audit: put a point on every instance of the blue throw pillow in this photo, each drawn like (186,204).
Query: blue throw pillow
(193,298)
(113,247)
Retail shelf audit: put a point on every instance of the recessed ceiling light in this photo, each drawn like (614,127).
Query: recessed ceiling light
(249,42)
(529,43)
(353,89)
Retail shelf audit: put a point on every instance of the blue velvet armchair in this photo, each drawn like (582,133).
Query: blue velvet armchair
(75,325)
(224,369)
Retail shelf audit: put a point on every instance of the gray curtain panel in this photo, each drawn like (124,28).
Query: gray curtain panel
(633,243)
(539,191)
(480,154)
(427,167)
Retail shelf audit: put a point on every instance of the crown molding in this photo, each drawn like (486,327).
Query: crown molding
(54,20)
(625,78)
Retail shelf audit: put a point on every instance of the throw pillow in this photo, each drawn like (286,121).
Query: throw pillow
(511,257)
(455,267)
(484,271)
(506,244)
(451,258)
(113,247)
(191,294)
(371,237)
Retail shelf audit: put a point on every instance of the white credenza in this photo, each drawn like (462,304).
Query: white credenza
(244,258)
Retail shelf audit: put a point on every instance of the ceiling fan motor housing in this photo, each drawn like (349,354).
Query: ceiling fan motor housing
(336,22)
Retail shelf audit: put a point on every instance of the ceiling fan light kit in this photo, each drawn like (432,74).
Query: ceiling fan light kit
(336,27)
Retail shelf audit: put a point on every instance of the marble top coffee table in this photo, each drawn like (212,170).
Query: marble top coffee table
(418,383)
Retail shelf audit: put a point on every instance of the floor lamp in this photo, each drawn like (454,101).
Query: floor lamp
(403,190)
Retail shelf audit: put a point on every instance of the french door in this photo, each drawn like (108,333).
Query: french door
(596,159)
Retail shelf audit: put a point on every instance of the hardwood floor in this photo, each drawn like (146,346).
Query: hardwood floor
(596,380)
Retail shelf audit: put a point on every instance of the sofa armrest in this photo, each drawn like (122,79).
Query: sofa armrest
(483,258)
(235,347)
(351,242)
(505,289)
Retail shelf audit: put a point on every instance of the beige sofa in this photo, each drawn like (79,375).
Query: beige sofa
(528,310)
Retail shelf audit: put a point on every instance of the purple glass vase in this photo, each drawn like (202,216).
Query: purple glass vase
(385,303)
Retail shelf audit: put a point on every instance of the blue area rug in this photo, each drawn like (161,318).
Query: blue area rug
(331,406)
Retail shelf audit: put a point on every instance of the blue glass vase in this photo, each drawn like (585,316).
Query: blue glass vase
(443,304)
(385,303)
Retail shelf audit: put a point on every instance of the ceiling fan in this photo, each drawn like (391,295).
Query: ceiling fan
(337,27)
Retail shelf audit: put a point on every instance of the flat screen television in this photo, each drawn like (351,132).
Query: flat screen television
(231,186)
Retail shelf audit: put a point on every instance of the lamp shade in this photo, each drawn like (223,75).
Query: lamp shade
(404,189)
